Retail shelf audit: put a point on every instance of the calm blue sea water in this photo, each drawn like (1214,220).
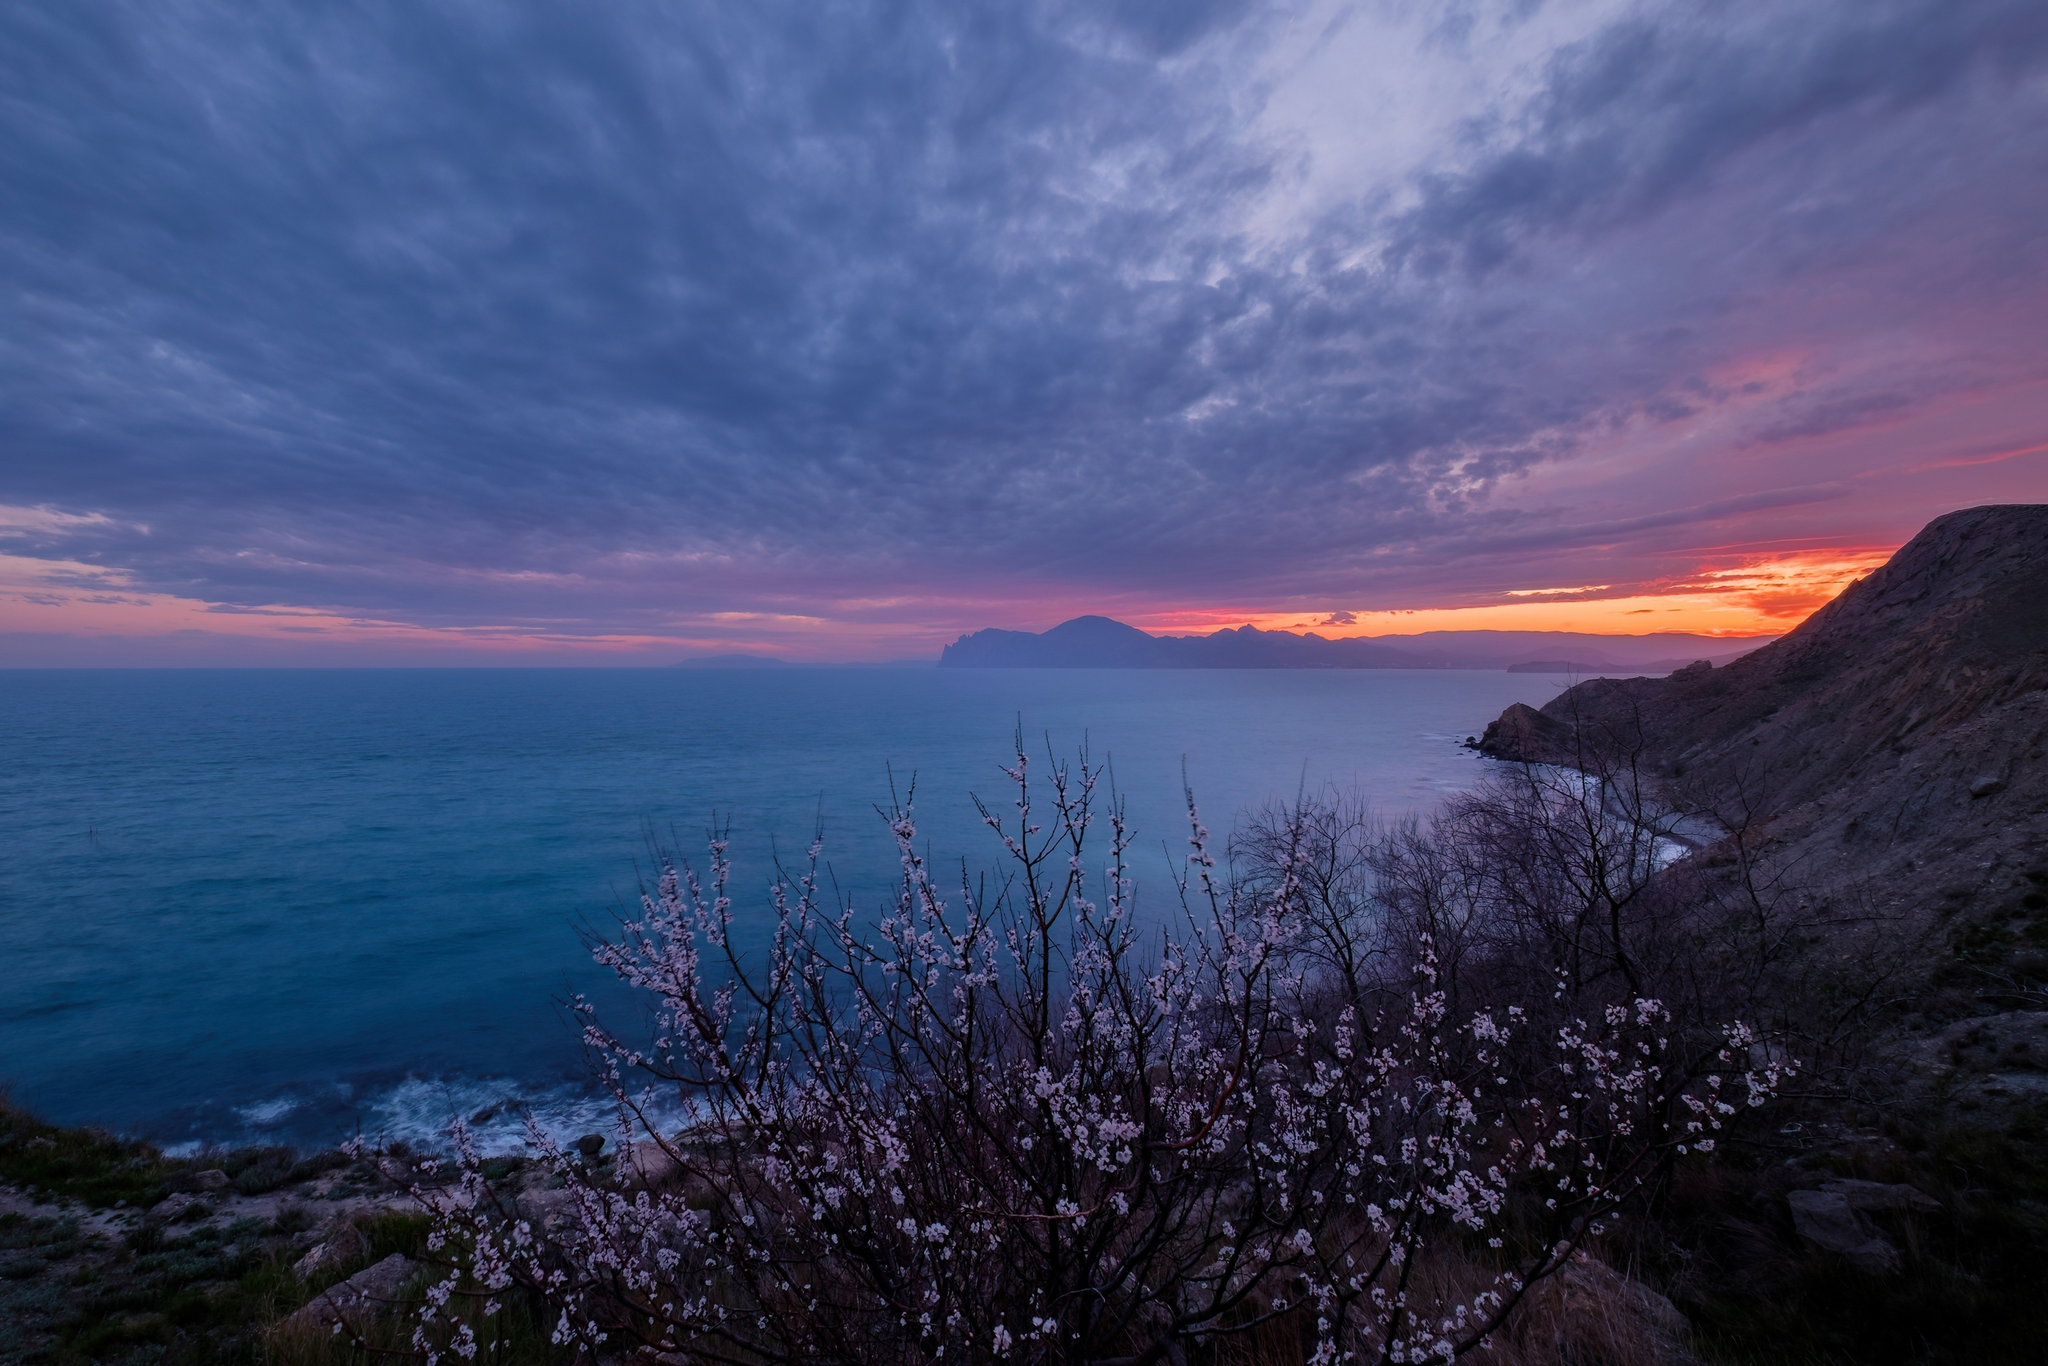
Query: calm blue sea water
(294,903)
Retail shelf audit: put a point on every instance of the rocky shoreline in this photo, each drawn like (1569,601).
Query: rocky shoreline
(1880,773)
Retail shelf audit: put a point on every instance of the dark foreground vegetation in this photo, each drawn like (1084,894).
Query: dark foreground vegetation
(1541,892)
(860,1086)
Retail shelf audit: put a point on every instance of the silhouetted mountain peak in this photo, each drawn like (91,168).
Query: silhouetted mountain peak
(1095,628)
(1099,642)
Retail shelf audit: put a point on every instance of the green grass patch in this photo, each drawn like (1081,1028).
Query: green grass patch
(204,1297)
(88,1165)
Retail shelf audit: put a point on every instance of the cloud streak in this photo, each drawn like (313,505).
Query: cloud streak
(899,319)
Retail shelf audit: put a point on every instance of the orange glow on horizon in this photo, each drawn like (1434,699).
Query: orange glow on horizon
(1738,596)
(1758,595)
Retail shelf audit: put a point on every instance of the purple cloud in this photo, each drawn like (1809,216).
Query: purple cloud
(592,320)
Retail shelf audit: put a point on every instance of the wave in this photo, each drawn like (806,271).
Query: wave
(417,1111)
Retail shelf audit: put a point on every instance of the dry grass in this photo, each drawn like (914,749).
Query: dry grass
(1586,1315)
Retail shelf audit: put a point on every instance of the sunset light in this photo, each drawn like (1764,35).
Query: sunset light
(1023,683)
(1333,313)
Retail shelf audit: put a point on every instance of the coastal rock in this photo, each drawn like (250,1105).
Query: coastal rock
(1654,1309)
(1877,1197)
(342,1241)
(2011,1088)
(548,1210)
(1591,1312)
(360,1297)
(1829,1221)
(1523,734)
(649,1162)
(1996,1063)
(177,1208)
(317,1259)
(2015,1041)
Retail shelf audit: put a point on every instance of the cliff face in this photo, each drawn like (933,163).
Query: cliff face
(1894,740)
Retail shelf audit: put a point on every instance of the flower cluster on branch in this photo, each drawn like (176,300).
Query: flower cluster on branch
(1014,1120)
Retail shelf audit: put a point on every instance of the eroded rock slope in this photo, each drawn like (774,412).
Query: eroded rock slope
(1891,747)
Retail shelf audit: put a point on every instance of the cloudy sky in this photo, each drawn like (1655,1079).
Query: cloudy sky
(504,331)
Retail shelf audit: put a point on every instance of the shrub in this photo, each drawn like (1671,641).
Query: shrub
(259,1170)
(318,1164)
(1014,1122)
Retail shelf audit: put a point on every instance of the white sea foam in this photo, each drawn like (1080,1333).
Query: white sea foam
(270,1113)
(419,1111)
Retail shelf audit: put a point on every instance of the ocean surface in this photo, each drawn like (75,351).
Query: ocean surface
(294,905)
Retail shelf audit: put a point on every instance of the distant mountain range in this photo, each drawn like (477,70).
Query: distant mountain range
(1100,643)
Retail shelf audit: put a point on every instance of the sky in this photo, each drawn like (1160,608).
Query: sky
(442,332)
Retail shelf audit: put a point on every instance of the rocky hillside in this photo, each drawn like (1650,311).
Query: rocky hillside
(1892,745)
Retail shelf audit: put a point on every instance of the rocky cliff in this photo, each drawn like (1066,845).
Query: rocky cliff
(1892,745)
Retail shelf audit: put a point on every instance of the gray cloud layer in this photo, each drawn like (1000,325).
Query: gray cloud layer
(467,311)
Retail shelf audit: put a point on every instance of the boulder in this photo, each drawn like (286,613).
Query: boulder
(1655,1310)
(590,1145)
(647,1161)
(360,1297)
(176,1208)
(1875,1197)
(546,1210)
(1591,1312)
(317,1259)
(1827,1220)
(213,1180)
(342,1241)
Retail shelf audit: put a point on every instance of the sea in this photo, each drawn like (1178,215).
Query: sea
(294,906)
